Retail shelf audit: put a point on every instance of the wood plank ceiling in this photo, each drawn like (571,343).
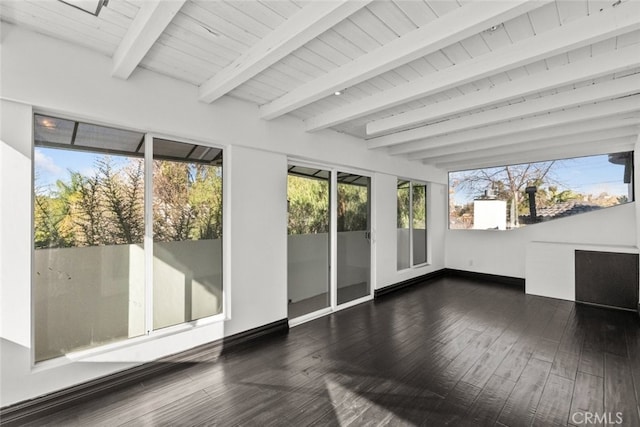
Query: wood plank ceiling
(453,83)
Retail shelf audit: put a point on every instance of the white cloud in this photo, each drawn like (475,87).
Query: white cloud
(46,163)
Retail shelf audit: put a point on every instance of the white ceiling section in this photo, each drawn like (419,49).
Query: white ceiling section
(453,83)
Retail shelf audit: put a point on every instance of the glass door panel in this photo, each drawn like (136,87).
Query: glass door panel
(308,283)
(353,237)
(419,217)
(403,219)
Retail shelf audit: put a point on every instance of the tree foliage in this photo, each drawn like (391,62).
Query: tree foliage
(419,191)
(308,201)
(106,207)
(353,207)
(187,202)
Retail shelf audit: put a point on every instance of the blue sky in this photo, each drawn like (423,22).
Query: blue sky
(52,164)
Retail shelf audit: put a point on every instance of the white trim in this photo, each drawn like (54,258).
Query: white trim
(149,23)
(333,240)
(310,316)
(451,28)
(370,214)
(305,25)
(427,189)
(356,301)
(619,60)
(572,35)
(148,233)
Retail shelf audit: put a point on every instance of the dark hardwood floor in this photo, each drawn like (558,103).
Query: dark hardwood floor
(451,352)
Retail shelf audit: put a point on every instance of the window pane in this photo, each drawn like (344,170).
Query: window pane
(419,210)
(308,241)
(353,238)
(512,196)
(187,234)
(88,279)
(403,225)
(353,202)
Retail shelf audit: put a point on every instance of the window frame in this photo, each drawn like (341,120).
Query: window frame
(632,186)
(427,210)
(150,333)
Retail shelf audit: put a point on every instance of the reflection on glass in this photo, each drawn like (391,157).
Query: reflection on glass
(88,281)
(419,225)
(403,240)
(187,232)
(308,282)
(354,249)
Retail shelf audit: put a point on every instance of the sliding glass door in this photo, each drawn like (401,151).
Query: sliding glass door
(328,225)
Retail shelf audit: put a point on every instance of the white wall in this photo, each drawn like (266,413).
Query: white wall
(504,252)
(47,75)
(258,252)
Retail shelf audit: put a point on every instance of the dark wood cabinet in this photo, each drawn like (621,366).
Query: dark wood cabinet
(607,278)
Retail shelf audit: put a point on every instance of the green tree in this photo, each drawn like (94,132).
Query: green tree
(187,202)
(403,204)
(352,207)
(51,213)
(205,196)
(308,204)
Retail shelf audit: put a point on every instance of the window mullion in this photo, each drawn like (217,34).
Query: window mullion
(148,231)
(410,224)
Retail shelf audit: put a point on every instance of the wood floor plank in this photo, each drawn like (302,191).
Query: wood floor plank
(555,403)
(565,365)
(546,350)
(454,352)
(490,360)
(453,408)
(588,398)
(592,362)
(619,392)
(189,410)
(522,403)
(445,380)
(632,332)
(516,360)
(615,338)
(556,326)
(572,336)
(488,405)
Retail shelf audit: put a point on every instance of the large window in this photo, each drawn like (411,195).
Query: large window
(411,223)
(101,272)
(513,196)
